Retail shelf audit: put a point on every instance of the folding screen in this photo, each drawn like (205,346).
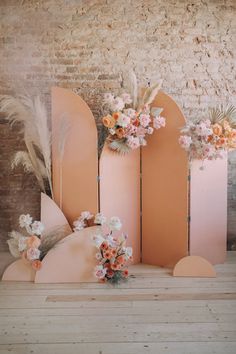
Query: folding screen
(120,193)
(75,177)
(208,210)
(165,190)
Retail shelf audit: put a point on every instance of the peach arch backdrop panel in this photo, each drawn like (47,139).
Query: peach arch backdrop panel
(19,270)
(120,193)
(71,261)
(165,190)
(194,266)
(208,210)
(75,184)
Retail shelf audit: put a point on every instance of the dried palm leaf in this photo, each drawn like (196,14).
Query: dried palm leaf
(119,146)
(220,113)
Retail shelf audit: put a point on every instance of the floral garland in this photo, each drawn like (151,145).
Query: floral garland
(27,247)
(128,125)
(210,139)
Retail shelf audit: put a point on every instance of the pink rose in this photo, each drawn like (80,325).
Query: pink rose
(32,254)
(159,122)
(144,119)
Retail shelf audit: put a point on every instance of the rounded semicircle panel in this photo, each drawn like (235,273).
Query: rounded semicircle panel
(194,266)
(19,270)
(72,260)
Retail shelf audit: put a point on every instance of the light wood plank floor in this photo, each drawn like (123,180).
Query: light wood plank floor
(152,313)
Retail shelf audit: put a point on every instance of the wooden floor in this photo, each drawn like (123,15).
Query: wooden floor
(152,313)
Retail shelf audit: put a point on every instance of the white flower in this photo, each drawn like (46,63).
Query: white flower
(108,98)
(150,130)
(22,244)
(98,240)
(128,251)
(79,224)
(111,241)
(117,104)
(13,243)
(25,220)
(115,223)
(130,112)
(123,120)
(37,228)
(126,98)
(86,215)
(100,219)
(32,254)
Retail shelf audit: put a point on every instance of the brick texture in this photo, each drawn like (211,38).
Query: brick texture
(85,45)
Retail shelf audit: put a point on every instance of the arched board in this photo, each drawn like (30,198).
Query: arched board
(208,210)
(75,179)
(71,261)
(120,193)
(194,266)
(165,190)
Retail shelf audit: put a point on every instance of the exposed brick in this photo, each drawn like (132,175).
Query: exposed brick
(86,45)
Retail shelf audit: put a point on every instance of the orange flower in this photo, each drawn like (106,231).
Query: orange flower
(37,264)
(108,121)
(126,273)
(33,242)
(136,123)
(104,246)
(110,273)
(114,266)
(217,129)
(120,259)
(120,133)
(107,255)
(113,252)
(116,115)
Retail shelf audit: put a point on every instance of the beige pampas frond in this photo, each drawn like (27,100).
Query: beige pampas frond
(13,243)
(50,239)
(149,94)
(134,88)
(32,115)
(22,158)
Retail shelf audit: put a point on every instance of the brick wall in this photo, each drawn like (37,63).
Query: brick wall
(86,44)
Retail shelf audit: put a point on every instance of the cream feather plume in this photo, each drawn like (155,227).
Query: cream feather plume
(32,115)
(134,88)
(149,94)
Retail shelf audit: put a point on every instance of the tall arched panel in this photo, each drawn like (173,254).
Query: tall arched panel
(75,179)
(120,193)
(165,190)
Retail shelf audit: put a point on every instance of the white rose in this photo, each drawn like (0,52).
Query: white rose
(22,245)
(86,215)
(37,228)
(33,253)
(115,223)
(100,219)
(98,240)
(25,220)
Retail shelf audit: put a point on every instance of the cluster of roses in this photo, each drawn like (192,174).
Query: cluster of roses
(27,247)
(112,252)
(206,141)
(128,126)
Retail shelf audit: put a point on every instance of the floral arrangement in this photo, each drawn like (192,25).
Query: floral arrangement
(27,246)
(131,119)
(209,139)
(112,254)
(85,219)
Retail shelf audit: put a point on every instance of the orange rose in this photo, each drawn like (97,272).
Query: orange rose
(217,129)
(108,121)
(37,264)
(120,259)
(126,273)
(116,115)
(120,133)
(33,242)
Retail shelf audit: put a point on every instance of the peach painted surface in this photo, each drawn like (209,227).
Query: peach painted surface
(51,214)
(194,266)
(80,159)
(208,208)
(71,261)
(19,270)
(165,190)
(120,193)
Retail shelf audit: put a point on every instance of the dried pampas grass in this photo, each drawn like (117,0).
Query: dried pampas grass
(31,113)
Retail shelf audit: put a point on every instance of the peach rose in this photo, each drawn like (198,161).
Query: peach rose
(120,259)
(120,133)
(37,264)
(217,129)
(33,241)
(116,115)
(108,121)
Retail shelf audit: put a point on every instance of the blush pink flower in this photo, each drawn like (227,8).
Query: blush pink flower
(32,254)
(159,122)
(133,142)
(144,119)
(123,120)
(130,129)
(141,131)
(185,141)
(126,98)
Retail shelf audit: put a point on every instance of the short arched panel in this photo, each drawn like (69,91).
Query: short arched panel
(120,192)
(165,190)
(75,179)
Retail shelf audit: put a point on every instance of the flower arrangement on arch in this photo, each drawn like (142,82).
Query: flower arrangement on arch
(131,119)
(112,255)
(27,246)
(210,139)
